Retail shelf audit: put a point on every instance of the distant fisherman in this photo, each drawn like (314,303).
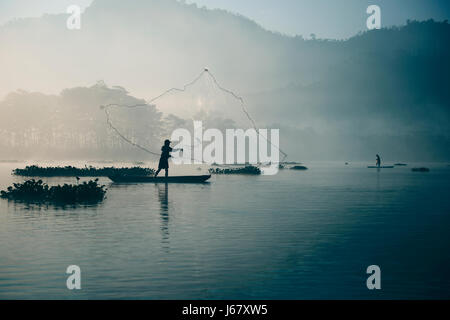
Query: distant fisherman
(165,155)
(378,164)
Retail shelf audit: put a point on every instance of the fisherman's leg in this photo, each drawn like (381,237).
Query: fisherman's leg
(157,171)
(167,172)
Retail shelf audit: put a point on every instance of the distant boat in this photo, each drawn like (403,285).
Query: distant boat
(420,170)
(299,168)
(381,167)
(172,179)
(400,164)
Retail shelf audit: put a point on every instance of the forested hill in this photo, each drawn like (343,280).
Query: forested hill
(382,90)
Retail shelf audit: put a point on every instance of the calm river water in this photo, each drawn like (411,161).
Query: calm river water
(295,235)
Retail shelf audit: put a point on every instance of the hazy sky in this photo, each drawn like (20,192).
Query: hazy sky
(10,9)
(330,18)
(325,18)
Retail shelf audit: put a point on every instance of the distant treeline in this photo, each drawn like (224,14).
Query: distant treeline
(69,171)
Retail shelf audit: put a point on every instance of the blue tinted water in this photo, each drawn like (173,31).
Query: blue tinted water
(296,235)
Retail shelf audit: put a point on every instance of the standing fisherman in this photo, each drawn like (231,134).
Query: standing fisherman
(165,155)
(378,163)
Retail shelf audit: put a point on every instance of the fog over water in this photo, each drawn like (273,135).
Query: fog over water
(383,91)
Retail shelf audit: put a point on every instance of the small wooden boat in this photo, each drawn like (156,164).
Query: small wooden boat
(381,167)
(299,168)
(161,179)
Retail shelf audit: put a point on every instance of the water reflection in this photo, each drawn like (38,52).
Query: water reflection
(37,206)
(163,196)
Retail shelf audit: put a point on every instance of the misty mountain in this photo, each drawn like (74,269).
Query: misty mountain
(383,91)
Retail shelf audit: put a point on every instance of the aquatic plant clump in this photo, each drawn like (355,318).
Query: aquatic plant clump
(252,170)
(69,171)
(37,191)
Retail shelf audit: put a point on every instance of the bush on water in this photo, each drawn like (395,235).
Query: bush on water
(244,170)
(37,191)
(69,171)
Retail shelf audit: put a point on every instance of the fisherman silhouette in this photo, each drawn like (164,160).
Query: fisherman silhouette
(378,163)
(165,155)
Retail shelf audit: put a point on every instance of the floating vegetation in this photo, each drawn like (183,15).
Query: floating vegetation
(69,171)
(423,169)
(37,191)
(400,164)
(244,170)
(299,168)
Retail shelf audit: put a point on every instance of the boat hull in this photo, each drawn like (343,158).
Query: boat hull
(151,179)
(382,167)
